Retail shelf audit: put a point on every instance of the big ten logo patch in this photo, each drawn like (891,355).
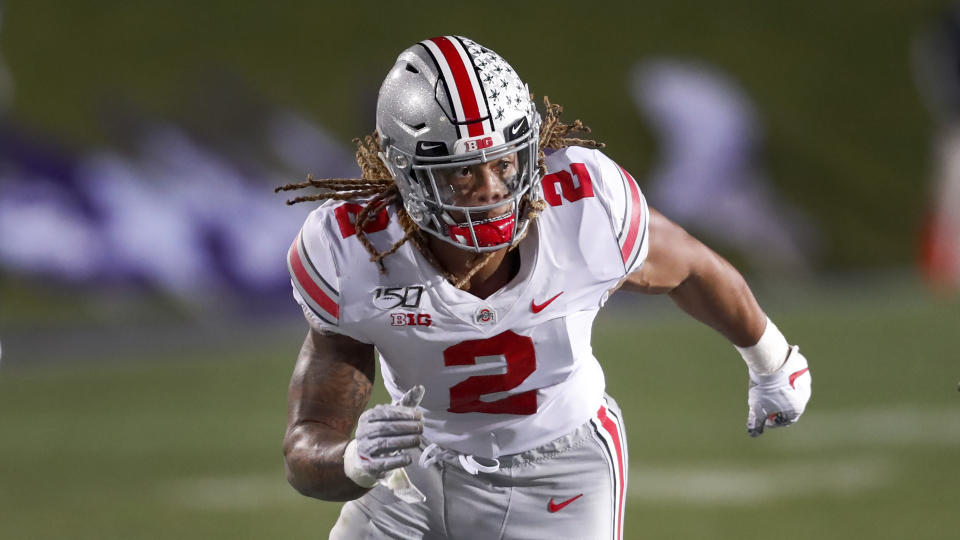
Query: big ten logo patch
(408,297)
(477,144)
(410,319)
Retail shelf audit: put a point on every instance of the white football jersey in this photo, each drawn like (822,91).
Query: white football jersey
(503,374)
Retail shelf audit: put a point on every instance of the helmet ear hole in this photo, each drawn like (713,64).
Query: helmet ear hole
(412,69)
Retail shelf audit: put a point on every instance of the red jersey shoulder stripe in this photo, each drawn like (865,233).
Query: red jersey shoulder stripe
(633,232)
(316,291)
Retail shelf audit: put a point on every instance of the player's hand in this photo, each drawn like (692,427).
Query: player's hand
(383,432)
(778,399)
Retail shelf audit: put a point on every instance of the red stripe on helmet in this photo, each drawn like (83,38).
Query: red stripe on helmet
(464,87)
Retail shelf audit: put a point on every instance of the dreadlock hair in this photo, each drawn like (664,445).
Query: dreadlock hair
(376,182)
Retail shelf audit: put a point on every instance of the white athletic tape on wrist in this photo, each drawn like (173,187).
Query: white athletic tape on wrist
(351,467)
(769,354)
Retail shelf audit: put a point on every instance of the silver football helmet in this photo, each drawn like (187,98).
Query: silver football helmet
(451,114)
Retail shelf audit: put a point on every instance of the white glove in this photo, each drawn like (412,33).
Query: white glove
(778,399)
(383,432)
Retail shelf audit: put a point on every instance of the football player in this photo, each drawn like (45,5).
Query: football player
(473,256)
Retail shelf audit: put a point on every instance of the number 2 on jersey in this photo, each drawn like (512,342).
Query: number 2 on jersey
(521,360)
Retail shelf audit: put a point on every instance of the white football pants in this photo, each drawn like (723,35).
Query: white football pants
(573,487)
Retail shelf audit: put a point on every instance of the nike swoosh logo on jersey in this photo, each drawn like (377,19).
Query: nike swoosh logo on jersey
(795,374)
(537,308)
(556,507)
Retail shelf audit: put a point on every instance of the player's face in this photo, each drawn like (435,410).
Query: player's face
(479,185)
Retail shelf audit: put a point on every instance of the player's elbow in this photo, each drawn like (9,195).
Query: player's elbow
(300,481)
(296,482)
(323,488)
(316,470)
(293,467)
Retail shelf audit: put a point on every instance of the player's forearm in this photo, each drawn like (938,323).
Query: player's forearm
(716,294)
(329,389)
(313,457)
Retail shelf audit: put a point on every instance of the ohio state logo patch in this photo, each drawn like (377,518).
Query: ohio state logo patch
(485,315)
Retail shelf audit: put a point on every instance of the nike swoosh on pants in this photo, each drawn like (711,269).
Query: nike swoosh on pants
(556,507)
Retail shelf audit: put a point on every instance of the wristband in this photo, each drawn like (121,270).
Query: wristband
(351,467)
(768,354)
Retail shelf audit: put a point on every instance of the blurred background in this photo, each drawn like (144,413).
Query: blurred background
(147,330)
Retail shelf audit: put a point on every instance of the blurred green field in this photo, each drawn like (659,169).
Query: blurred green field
(846,134)
(187,445)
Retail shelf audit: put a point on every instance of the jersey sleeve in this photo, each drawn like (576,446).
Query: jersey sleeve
(315,275)
(627,209)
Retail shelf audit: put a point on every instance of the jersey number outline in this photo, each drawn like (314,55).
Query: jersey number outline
(570,189)
(347,220)
(521,360)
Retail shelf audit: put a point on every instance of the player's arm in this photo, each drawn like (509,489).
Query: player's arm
(699,281)
(706,286)
(329,390)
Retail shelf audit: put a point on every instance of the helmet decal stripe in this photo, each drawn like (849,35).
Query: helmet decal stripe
(437,63)
(465,90)
(446,76)
(485,105)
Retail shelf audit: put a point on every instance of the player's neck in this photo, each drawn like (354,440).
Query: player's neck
(494,275)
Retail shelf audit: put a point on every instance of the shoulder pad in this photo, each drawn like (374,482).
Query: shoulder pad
(577,173)
(312,267)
